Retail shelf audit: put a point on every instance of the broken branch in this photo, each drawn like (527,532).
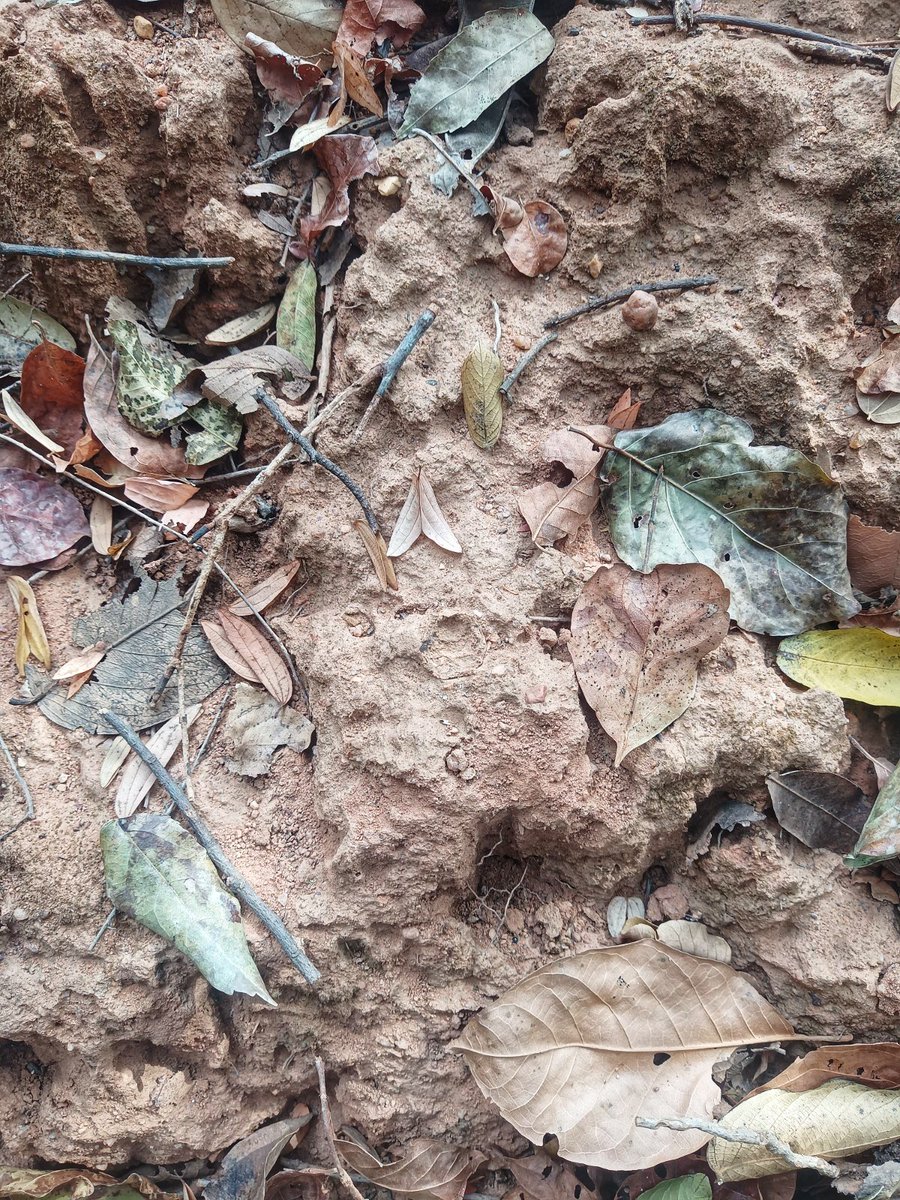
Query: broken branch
(393,364)
(760,26)
(343,1173)
(611,298)
(113,256)
(748,1137)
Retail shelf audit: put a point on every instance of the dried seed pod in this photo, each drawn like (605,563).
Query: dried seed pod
(640,311)
(482,374)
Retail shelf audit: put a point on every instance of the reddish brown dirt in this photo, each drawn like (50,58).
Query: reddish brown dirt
(719,154)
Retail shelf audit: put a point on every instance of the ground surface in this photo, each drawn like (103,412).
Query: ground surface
(716,154)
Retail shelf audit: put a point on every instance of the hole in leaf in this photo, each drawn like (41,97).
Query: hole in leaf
(660,1058)
(726,557)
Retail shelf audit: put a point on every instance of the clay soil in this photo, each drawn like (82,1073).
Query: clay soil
(454,763)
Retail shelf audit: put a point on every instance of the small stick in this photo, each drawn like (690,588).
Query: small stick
(526,360)
(747,1137)
(233,879)
(328,1123)
(12,287)
(214,725)
(497,327)
(617,297)
(110,917)
(840,54)
(315,457)
(113,256)
(805,35)
(324,365)
(364,384)
(20,780)
(393,364)
(244,473)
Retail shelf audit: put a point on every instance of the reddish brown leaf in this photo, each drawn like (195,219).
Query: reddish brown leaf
(876,1064)
(624,412)
(267,591)
(159,495)
(356,81)
(229,656)
(881,370)
(38,518)
(873,556)
(537,243)
(52,393)
(368,21)
(344,157)
(260,654)
(286,78)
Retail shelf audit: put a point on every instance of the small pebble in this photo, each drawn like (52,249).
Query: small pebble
(19,914)
(389,186)
(28,141)
(548,637)
(520,342)
(456,761)
(595,266)
(468,774)
(143,28)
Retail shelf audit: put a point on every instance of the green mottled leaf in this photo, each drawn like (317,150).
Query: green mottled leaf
(219,434)
(158,873)
(685,1187)
(880,836)
(295,327)
(21,327)
(149,374)
(766,519)
(482,62)
(858,664)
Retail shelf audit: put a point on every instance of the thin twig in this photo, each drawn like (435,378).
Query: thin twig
(845,55)
(12,287)
(110,917)
(211,732)
(747,1137)
(359,386)
(497,327)
(324,366)
(458,165)
(622,294)
(20,780)
(112,256)
(393,364)
(328,1123)
(244,472)
(527,358)
(316,457)
(806,35)
(234,880)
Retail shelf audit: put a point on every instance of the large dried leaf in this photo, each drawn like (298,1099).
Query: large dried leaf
(482,374)
(257,726)
(553,512)
(158,873)
(824,810)
(766,519)
(296,322)
(581,1047)
(147,383)
(858,664)
(52,393)
(368,21)
(138,779)
(421,514)
(637,641)
(428,1170)
(304,27)
(227,653)
(537,243)
(876,1064)
(159,495)
(126,679)
(832,1121)
(235,379)
(482,62)
(267,591)
(879,840)
(22,327)
(30,635)
(288,80)
(873,556)
(694,938)
(38,518)
(261,655)
(242,1172)
(344,157)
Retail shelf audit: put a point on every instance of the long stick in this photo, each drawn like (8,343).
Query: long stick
(233,878)
(746,1137)
(805,35)
(328,1123)
(23,785)
(393,364)
(617,297)
(113,256)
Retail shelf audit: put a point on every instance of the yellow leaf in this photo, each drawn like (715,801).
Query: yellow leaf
(482,374)
(17,416)
(30,635)
(377,551)
(858,664)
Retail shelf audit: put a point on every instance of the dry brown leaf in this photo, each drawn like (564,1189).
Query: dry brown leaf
(267,591)
(428,1170)
(636,928)
(81,663)
(344,158)
(421,514)
(242,327)
(835,1120)
(482,374)
(262,656)
(881,370)
(581,1047)
(228,654)
(101,522)
(138,779)
(873,556)
(187,516)
(553,512)
(637,641)
(368,21)
(624,412)
(235,379)
(538,242)
(287,78)
(159,495)
(377,552)
(359,86)
(876,1064)
(694,938)
(30,635)
(539,1178)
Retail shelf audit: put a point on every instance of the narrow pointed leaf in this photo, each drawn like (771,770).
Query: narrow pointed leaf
(296,322)
(138,779)
(17,416)
(434,523)
(101,522)
(858,664)
(267,591)
(228,654)
(30,635)
(85,661)
(259,652)
(879,840)
(240,328)
(409,523)
(377,552)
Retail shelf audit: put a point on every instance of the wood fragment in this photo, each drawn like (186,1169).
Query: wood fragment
(328,1123)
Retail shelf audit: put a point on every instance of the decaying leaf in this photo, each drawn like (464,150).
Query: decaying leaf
(303,27)
(832,1121)
(637,641)
(877,1064)
(421,514)
(553,512)
(38,518)
(368,21)
(126,679)
(30,635)
(726,818)
(823,810)
(267,591)
(172,290)
(766,519)
(873,557)
(538,1177)
(624,412)
(482,374)
(186,516)
(377,552)
(356,81)
(101,524)
(52,393)
(117,751)
(74,1183)
(288,80)
(159,874)
(344,158)
(259,653)
(235,379)
(428,1170)
(582,1046)
(147,384)
(538,241)
(20,419)
(78,670)
(257,726)
(159,495)
(220,432)
(892,86)
(242,1172)
(22,327)
(243,327)
(881,1182)
(296,322)
(138,779)
(858,664)
(479,65)
(694,938)
(879,840)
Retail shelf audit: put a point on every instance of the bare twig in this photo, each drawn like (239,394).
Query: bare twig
(393,364)
(498,330)
(12,287)
(244,472)
(359,387)
(328,1123)
(526,360)
(20,780)
(113,256)
(806,35)
(621,294)
(211,732)
(233,879)
(110,917)
(747,1137)
(324,365)
(845,55)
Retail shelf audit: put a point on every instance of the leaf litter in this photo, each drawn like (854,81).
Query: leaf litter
(257,726)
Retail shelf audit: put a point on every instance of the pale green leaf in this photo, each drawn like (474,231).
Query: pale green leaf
(220,432)
(482,62)
(158,873)
(879,839)
(766,519)
(22,327)
(685,1187)
(296,323)
(858,664)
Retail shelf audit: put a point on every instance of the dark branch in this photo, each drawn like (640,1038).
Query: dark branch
(595,303)
(112,256)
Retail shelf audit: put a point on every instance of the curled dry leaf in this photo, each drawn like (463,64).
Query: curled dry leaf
(825,811)
(52,393)
(553,512)
(421,514)
(235,379)
(616,916)
(138,779)
(227,653)
(30,635)
(261,655)
(482,374)
(267,591)
(367,21)
(307,135)
(303,27)
(582,1046)
(101,523)
(159,495)
(879,840)
(694,938)
(427,1170)
(81,663)
(356,81)
(243,327)
(882,767)
(17,417)
(539,241)
(858,664)
(344,158)
(286,78)
(377,552)
(624,412)
(38,518)
(873,556)
(877,1064)
(242,1172)
(637,641)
